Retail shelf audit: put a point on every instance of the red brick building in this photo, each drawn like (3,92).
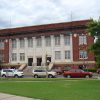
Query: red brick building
(65,44)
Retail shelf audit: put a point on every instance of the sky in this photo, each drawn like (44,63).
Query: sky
(20,13)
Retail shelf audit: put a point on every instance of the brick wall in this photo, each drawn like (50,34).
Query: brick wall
(77,47)
(6,51)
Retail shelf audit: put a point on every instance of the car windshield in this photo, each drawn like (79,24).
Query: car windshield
(17,70)
(76,70)
(82,70)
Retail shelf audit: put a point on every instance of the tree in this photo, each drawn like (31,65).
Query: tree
(94,30)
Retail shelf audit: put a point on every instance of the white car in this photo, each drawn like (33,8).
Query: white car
(11,73)
(44,73)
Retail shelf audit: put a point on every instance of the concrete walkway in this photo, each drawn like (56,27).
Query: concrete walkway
(4,96)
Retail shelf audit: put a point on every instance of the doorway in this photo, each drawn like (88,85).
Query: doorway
(30,61)
(49,59)
(39,61)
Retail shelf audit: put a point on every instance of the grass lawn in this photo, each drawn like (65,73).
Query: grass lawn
(53,89)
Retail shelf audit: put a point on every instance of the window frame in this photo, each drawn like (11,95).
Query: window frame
(57,55)
(2,44)
(30,42)
(22,56)
(67,39)
(22,43)
(1,57)
(47,41)
(14,57)
(82,39)
(67,54)
(57,40)
(83,54)
(38,41)
(14,43)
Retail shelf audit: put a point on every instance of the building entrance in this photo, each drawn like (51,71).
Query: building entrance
(30,61)
(39,61)
(48,60)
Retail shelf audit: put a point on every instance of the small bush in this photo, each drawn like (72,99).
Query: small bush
(91,70)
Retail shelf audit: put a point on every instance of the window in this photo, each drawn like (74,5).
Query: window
(67,54)
(14,43)
(82,39)
(48,41)
(57,55)
(30,42)
(14,57)
(39,42)
(1,57)
(1,44)
(82,54)
(67,40)
(22,43)
(22,56)
(57,40)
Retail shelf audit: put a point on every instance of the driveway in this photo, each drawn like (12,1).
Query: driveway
(4,96)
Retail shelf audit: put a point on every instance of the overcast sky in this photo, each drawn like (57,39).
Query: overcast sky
(19,13)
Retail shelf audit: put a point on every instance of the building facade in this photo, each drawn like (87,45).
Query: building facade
(62,44)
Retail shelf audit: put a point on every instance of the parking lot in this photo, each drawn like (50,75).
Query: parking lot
(49,74)
(95,75)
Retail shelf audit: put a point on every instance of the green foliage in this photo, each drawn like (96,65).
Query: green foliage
(92,69)
(94,30)
(94,27)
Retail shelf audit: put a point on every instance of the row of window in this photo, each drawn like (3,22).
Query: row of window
(57,55)
(14,56)
(82,54)
(39,41)
(82,40)
(57,41)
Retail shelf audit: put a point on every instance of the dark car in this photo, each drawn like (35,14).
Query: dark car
(98,71)
(77,73)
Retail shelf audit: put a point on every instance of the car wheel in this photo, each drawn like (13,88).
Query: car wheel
(87,76)
(98,72)
(35,76)
(68,76)
(16,76)
(50,76)
(3,75)
(22,76)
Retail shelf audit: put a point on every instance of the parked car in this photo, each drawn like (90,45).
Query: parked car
(98,71)
(44,73)
(59,72)
(77,73)
(11,73)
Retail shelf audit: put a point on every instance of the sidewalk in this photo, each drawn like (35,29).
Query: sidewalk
(4,96)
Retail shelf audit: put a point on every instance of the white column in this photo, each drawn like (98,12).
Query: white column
(34,51)
(25,50)
(18,53)
(43,51)
(52,47)
(62,47)
(10,50)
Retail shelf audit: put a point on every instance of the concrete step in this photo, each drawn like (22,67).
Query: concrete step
(28,70)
